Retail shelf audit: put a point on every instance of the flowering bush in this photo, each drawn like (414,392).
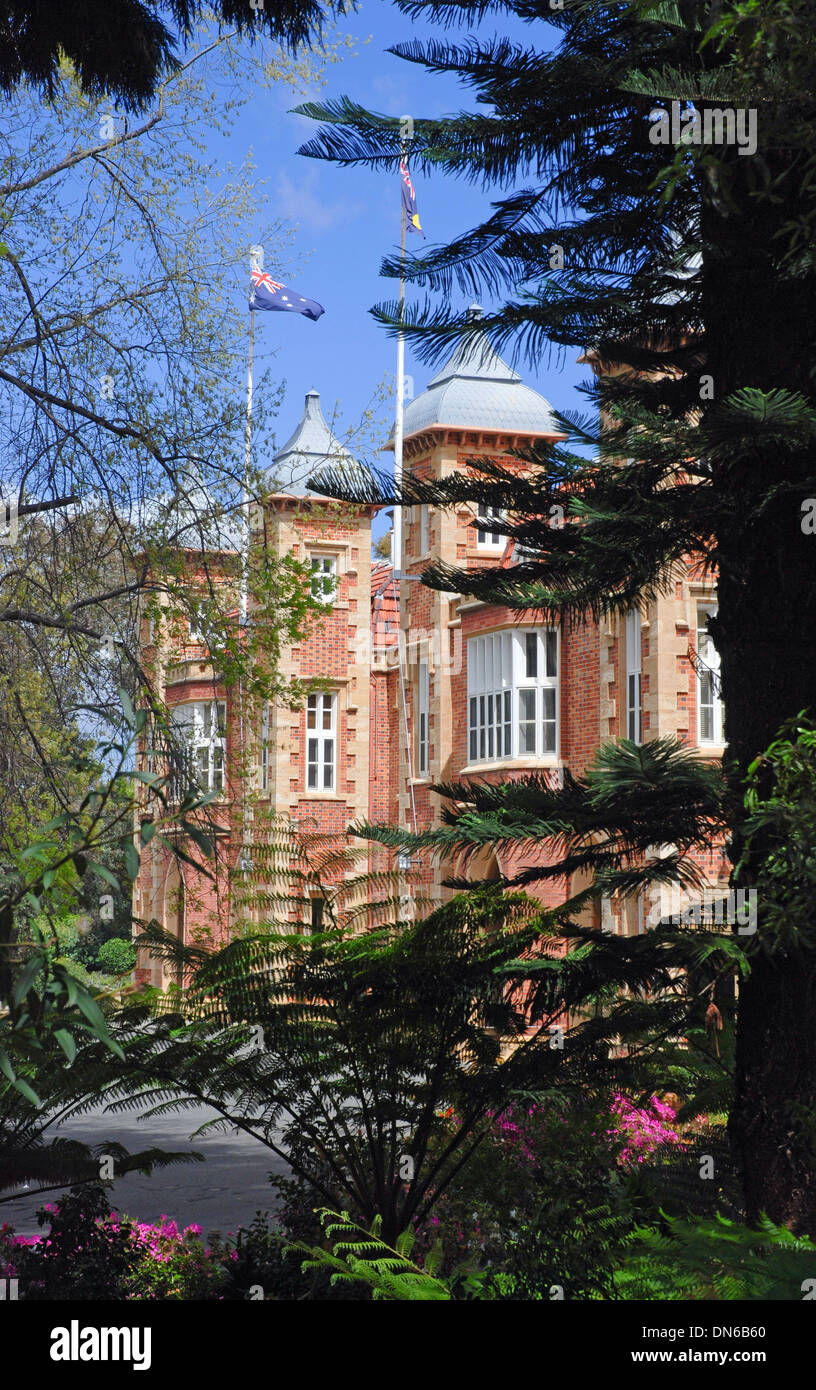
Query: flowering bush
(537,1205)
(90,1252)
(644,1129)
(174,1264)
(546,1199)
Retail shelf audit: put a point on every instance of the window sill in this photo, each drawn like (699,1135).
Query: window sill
(550,763)
(312,795)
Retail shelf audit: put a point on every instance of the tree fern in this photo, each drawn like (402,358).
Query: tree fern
(361,1257)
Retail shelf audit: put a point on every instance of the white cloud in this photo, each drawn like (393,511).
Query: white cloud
(299,200)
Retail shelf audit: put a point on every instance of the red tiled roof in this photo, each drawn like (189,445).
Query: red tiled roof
(384,606)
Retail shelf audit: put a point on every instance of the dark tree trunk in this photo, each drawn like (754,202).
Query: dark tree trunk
(760,331)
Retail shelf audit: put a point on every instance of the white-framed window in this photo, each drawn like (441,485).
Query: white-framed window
(709,690)
(202,725)
(634,678)
(265,746)
(424,529)
(513,695)
(490,540)
(197,636)
(324,578)
(321,742)
(423,702)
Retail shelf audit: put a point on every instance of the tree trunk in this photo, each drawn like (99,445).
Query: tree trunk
(759,332)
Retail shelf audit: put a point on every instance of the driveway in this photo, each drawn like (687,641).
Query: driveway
(220,1194)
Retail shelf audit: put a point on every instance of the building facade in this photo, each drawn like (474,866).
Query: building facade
(418,686)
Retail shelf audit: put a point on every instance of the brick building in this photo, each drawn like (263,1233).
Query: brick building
(422,686)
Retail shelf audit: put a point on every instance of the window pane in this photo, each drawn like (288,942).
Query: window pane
(634,723)
(324,577)
(474,746)
(527,720)
(551,645)
(311,712)
(548,722)
(531,655)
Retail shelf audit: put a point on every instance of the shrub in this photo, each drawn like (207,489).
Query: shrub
(116,957)
(91,1253)
(540,1207)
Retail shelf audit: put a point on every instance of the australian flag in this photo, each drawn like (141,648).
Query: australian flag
(267,293)
(409,201)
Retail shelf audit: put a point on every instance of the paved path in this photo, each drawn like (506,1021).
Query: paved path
(220,1194)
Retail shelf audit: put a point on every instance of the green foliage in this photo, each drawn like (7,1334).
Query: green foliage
(362,1257)
(541,1210)
(116,956)
(644,991)
(122,50)
(257,1257)
(342,1050)
(90,1253)
(717,1259)
(85,1257)
(52,1010)
(781,804)
(45,1001)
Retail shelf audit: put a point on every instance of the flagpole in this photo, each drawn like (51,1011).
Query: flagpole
(247,466)
(396,531)
(255,259)
(396,536)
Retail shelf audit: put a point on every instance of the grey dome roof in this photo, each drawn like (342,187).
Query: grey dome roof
(477,390)
(310,448)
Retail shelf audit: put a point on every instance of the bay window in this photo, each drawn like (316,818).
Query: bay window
(513,695)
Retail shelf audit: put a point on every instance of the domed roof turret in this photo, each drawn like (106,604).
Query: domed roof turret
(477,390)
(312,446)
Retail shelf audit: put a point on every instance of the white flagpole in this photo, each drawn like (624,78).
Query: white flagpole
(396,532)
(255,259)
(396,535)
(255,263)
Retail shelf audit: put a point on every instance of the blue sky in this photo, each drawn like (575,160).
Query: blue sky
(347,219)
